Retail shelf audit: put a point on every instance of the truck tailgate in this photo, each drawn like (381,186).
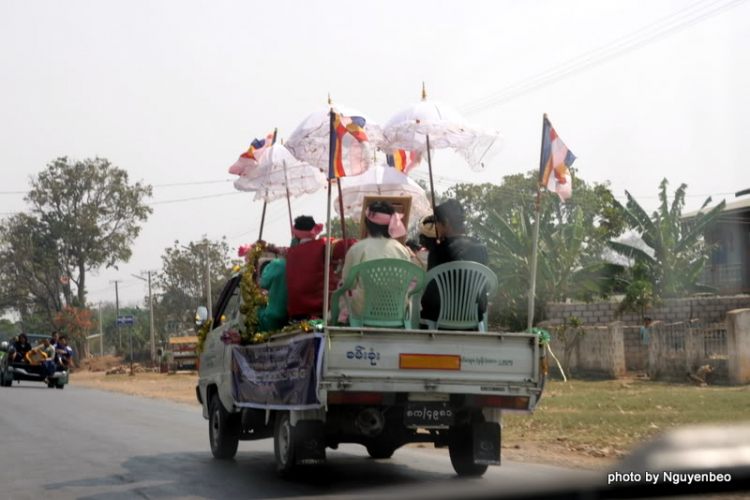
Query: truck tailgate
(463,362)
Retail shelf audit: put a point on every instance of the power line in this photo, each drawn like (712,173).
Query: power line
(598,56)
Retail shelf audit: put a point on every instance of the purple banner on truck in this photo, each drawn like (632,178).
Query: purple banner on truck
(279,375)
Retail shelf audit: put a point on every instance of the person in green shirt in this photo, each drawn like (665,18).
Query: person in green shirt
(273,278)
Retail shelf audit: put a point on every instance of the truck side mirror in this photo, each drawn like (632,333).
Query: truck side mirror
(201,315)
(4,347)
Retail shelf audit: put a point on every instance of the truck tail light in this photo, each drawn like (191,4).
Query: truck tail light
(510,402)
(355,398)
(429,362)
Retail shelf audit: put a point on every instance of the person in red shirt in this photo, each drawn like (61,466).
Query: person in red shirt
(305,268)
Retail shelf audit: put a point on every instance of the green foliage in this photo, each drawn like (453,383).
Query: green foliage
(639,293)
(572,238)
(8,329)
(352,228)
(92,214)
(31,272)
(570,334)
(678,250)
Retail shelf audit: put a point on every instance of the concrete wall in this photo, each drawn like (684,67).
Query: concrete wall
(603,313)
(738,346)
(600,353)
(677,349)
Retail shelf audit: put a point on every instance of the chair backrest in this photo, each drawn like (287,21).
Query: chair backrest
(386,283)
(461,285)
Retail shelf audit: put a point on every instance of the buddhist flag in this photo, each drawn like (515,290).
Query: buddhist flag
(349,146)
(554,173)
(404,161)
(250,158)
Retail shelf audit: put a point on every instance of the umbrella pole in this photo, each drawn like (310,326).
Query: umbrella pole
(432,184)
(262,220)
(265,203)
(327,272)
(341,210)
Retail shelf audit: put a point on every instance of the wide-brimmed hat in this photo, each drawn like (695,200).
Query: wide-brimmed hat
(427,227)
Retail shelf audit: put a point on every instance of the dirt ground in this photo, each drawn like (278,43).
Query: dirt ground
(179,387)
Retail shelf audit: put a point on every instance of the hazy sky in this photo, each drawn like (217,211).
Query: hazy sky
(173,91)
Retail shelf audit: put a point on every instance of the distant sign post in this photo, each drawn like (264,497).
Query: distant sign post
(125,320)
(128,320)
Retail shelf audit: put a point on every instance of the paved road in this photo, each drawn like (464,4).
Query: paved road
(87,444)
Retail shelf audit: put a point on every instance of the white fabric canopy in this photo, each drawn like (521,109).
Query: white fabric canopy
(447,129)
(310,142)
(277,171)
(382,181)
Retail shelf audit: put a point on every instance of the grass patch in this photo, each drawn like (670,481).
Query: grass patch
(622,413)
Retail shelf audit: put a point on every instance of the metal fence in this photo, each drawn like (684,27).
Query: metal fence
(702,339)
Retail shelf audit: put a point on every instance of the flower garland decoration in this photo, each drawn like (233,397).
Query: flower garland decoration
(252,297)
(202,334)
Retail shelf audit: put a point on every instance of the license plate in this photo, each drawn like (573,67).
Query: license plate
(428,414)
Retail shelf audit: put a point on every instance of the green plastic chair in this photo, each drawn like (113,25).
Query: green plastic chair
(386,285)
(461,284)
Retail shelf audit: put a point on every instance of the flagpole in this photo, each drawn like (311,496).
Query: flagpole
(288,200)
(265,203)
(341,210)
(327,273)
(535,250)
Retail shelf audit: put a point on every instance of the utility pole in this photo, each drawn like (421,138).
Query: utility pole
(150,317)
(101,332)
(208,278)
(117,313)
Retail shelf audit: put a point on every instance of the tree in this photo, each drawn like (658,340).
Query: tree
(639,293)
(678,250)
(30,272)
(601,221)
(91,213)
(352,228)
(182,280)
(572,238)
(76,324)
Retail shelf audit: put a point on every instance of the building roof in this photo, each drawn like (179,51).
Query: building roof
(183,340)
(741,205)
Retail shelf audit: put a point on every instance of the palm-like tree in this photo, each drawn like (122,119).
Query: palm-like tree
(567,267)
(679,252)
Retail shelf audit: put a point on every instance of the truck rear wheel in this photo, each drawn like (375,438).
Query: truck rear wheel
(283,445)
(223,430)
(460,446)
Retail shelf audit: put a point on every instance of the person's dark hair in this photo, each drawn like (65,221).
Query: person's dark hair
(413,245)
(451,211)
(647,319)
(63,337)
(427,242)
(304,223)
(24,337)
(379,230)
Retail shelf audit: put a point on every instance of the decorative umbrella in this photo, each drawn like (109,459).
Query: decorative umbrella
(279,175)
(310,142)
(383,181)
(428,125)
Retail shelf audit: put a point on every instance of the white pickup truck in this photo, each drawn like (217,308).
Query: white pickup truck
(381,388)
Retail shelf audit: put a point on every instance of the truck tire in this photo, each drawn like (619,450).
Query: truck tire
(380,449)
(462,454)
(3,383)
(60,385)
(283,445)
(51,384)
(223,430)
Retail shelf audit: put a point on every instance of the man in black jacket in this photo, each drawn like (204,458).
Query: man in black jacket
(453,245)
